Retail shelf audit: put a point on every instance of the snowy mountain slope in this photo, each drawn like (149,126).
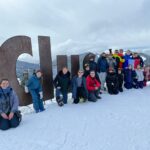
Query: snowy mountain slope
(119,122)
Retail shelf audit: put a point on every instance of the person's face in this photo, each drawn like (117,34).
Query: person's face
(87,68)
(80,73)
(65,70)
(130,67)
(110,71)
(91,59)
(138,67)
(128,52)
(110,56)
(39,74)
(121,51)
(119,71)
(92,74)
(103,55)
(116,51)
(4,84)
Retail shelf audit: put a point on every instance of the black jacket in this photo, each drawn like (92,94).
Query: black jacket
(63,81)
(112,78)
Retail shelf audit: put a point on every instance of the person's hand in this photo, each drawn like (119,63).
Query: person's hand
(96,88)
(11,115)
(26,89)
(4,116)
(41,95)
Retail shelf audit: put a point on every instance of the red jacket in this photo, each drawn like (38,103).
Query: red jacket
(91,83)
(121,63)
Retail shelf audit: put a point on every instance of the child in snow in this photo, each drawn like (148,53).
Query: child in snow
(112,82)
(140,77)
(9,103)
(35,88)
(120,80)
(79,89)
(93,87)
(62,83)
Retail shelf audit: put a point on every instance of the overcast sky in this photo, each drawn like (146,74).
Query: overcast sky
(78,26)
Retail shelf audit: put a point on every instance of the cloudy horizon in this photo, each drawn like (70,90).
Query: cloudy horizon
(78,27)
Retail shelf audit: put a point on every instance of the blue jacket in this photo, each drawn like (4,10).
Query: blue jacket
(5,95)
(102,64)
(126,58)
(34,83)
(74,86)
(129,75)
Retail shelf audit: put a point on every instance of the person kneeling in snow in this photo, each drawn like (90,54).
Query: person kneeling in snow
(62,83)
(120,79)
(10,117)
(79,89)
(112,82)
(35,88)
(93,87)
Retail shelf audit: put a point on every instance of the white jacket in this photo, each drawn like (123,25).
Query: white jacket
(140,75)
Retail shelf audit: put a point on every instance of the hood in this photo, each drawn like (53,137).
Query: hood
(61,74)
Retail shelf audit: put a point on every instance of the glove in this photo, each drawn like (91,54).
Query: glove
(26,89)
(41,95)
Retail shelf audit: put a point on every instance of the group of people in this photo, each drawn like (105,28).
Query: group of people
(110,73)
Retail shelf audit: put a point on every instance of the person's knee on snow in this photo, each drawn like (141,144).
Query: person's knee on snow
(93,87)
(112,81)
(8,105)
(62,84)
(79,89)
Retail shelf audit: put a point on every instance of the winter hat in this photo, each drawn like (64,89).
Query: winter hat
(86,65)
(91,56)
(39,70)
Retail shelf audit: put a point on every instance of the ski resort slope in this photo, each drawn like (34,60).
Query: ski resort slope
(119,122)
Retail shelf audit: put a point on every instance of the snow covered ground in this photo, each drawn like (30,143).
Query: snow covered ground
(119,122)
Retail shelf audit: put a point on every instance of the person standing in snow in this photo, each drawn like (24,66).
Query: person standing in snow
(140,76)
(79,89)
(102,67)
(35,88)
(10,117)
(111,62)
(86,70)
(93,66)
(118,60)
(121,55)
(93,87)
(62,83)
(138,60)
(128,59)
